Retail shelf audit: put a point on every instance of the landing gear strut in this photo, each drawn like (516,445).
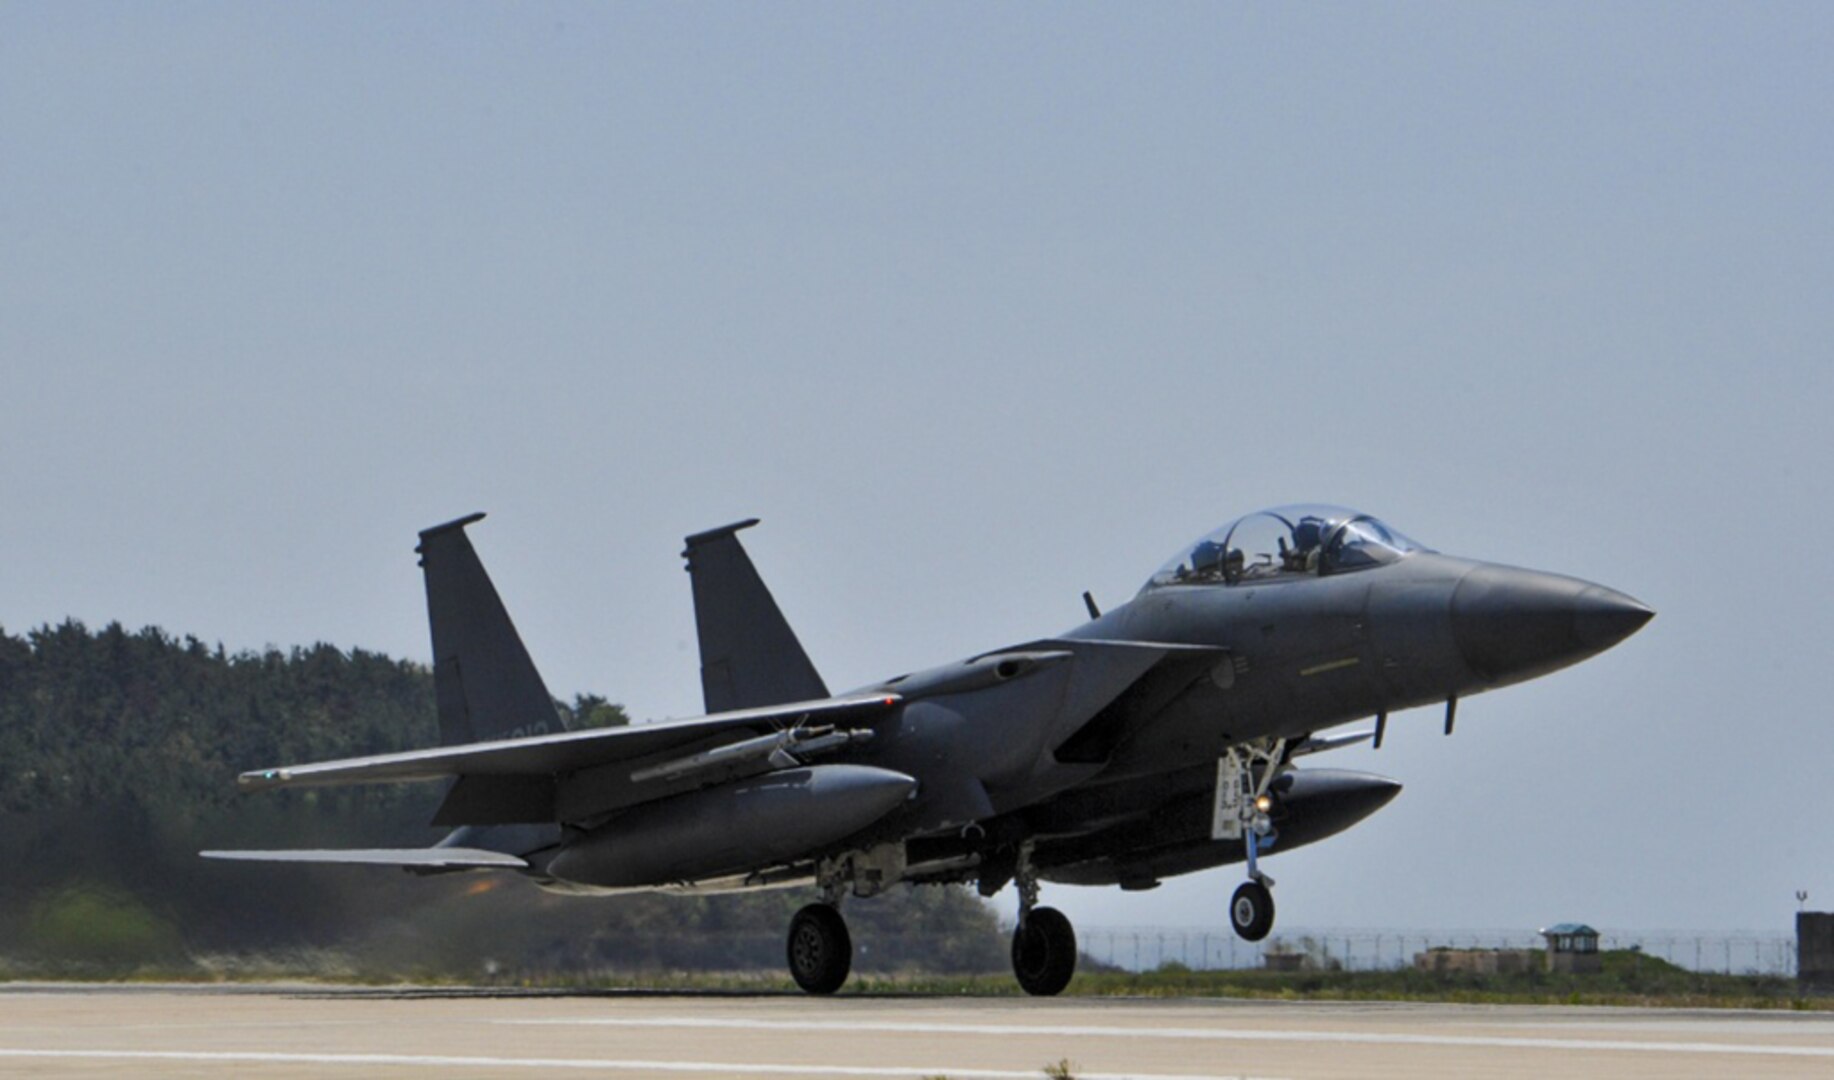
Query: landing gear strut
(820,949)
(1044,942)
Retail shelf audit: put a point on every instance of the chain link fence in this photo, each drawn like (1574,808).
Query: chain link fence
(1199,949)
(1146,948)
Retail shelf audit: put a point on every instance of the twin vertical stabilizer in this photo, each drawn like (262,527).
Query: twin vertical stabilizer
(487,686)
(483,679)
(749,655)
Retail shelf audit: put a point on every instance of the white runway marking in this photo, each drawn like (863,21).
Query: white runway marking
(1500,1042)
(906,1072)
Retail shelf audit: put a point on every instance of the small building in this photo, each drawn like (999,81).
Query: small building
(1572,948)
(1815,950)
(1284,961)
(1477,961)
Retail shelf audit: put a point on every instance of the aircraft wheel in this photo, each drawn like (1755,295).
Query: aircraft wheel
(1251,911)
(820,949)
(1044,952)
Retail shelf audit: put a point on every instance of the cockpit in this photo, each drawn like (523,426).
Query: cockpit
(1287,543)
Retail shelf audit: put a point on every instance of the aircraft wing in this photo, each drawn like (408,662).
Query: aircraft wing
(433,858)
(567,752)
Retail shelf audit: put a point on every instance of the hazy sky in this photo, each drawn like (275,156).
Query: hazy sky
(977,308)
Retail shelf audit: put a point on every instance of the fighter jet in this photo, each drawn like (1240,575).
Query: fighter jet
(1156,739)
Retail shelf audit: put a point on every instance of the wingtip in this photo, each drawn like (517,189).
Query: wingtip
(261,779)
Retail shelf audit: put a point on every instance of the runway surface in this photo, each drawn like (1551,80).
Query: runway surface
(279,1031)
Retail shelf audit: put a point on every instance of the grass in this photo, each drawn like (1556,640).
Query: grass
(1629,979)
(1654,983)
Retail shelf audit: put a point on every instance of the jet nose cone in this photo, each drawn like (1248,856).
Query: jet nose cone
(1605,617)
(1515,624)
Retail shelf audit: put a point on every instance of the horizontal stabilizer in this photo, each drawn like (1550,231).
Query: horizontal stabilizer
(437,858)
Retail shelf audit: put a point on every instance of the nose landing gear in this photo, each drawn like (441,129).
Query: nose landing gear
(1251,909)
(1242,805)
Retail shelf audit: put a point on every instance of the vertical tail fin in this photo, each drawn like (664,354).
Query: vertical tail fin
(749,656)
(483,679)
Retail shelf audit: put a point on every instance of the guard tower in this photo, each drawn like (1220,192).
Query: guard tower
(1572,948)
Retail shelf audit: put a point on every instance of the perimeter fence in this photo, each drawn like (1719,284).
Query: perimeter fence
(1135,948)
(1145,948)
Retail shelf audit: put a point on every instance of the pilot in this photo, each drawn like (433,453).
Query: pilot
(1206,559)
(1307,535)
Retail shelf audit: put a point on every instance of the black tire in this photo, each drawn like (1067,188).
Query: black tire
(1044,952)
(1251,911)
(820,949)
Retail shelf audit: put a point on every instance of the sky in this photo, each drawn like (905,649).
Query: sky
(977,307)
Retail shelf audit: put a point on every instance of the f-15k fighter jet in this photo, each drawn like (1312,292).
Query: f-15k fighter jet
(1156,739)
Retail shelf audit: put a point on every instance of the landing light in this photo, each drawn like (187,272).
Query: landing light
(1264,803)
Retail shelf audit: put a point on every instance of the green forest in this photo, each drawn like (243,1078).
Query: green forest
(118,756)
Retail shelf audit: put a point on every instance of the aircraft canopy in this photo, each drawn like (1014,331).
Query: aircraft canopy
(1283,544)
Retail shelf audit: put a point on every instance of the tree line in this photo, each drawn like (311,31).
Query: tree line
(118,756)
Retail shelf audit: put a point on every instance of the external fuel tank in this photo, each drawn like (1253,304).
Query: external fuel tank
(731,828)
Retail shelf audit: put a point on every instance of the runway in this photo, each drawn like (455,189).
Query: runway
(305,1031)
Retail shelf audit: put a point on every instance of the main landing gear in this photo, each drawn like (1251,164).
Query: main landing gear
(820,949)
(1044,943)
(1044,952)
